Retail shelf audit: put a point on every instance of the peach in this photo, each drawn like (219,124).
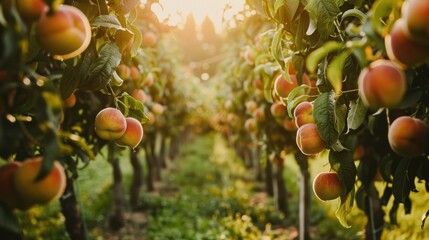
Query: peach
(327,186)
(43,191)
(415,14)
(258,84)
(402,48)
(289,125)
(140,95)
(303,113)
(382,84)
(123,71)
(358,152)
(251,106)
(149,39)
(407,136)
(308,139)
(157,109)
(66,33)
(132,135)
(134,73)
(8,194)
(283,87)
(110,124)
(70,101)
(31,10)
(259,114)
(251,125)
(278,110)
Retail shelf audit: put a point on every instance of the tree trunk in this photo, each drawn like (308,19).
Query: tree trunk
(162,151)
(70,209)
(117,219)
(174,147)
(375,214)
(150,174)
(269,186)
(304,197)
(282,202)
(154,159)
(137,179)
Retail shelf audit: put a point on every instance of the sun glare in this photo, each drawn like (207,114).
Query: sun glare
(175,12)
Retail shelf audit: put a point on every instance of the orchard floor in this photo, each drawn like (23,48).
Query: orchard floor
(205,193)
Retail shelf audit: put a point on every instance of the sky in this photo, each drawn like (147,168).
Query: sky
(178,10)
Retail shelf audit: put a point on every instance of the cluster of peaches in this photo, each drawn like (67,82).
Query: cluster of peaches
(20,187)
(111,124)
(63,30)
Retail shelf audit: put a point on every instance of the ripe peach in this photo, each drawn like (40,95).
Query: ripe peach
(157,109)
(43,191)
(134,73)
(149,39)
(123,71)
(283,87)
(415,14)
(258,84)
(278,110)
(110,124)
(259,114)
(327,186)
(289,125)
(70,101)
(402,48)
(407,136)
(251,106)
(303,114)
(8,194)
(308,139)
(251,125)
(65,34)
(31,10)
(382,84)
(132,135)
(140,95)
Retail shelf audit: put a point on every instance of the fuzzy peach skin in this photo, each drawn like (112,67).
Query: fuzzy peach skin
(327,186)
(31,10)
(8,194)
(407,136)
(132,135)
(110,124)
(402,48)
(416,16)
(66,33)
(44,191)
(382,84)
(308,139)
(303,113)
(283,87)
(278,110)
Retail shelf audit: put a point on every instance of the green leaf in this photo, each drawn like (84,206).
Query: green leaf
(380,10)
(357,114)
(324,12)
(317,55)
(286,9)
(137,40)
(107,21)
(276,46)
(354,13)
(101,70)
(69,82)
(291,104)
(345,208)
(335,72)
(343,163)
(340,117)
(267,79)
(324,115)
(300,34)
(401,183)
(133,108)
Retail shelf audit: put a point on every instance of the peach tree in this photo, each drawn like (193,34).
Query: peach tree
(369,61)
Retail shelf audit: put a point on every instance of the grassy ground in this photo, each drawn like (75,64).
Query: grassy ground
(206,193)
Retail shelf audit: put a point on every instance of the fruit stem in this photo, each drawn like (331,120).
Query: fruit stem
(115,98)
